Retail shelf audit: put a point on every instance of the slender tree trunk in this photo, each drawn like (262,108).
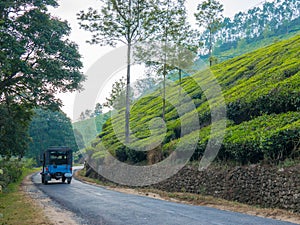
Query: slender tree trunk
(210,48)
(165,66)
(127,111)
(180,76)
(164,91)
(165,74)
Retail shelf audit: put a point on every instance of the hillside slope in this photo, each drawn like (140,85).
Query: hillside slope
(262,95)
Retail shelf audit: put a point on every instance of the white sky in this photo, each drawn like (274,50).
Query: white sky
(91,53)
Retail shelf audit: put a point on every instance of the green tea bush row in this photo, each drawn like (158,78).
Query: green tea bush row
(271,138)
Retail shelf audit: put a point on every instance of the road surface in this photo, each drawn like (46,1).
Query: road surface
(96,205)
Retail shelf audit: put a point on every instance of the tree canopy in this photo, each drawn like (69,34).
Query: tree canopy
(37,61)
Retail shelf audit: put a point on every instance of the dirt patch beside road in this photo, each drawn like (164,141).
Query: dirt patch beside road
(56,215)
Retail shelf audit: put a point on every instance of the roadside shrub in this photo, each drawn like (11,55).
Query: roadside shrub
(11,171)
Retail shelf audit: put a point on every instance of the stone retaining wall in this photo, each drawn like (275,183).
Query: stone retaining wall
(253,185)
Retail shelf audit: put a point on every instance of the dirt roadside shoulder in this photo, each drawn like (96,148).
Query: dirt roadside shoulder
(51,210)
(195,199)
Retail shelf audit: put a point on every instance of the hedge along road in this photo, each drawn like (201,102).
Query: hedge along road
(97,205)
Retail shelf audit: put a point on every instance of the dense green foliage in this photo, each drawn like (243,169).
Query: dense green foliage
(261,90)
(37,61)
(11,171)
(49,128)
(14,138)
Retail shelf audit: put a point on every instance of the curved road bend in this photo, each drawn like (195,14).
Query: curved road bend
(96,205)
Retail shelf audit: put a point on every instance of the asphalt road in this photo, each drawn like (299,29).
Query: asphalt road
(96,205)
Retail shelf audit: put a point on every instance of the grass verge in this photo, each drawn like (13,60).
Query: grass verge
(17,208)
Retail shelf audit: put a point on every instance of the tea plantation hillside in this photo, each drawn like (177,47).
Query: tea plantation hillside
(262,95)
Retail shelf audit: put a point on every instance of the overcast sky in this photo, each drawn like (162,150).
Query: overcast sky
(68,9)
(91,53)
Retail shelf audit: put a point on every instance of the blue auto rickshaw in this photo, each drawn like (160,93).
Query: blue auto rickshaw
(57,164)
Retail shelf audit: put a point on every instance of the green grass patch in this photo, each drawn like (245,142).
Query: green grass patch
(17,208)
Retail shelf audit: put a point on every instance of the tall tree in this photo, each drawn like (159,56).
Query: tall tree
(119,21)
(37,61)
(210,16)
(186,43)
(174,33)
